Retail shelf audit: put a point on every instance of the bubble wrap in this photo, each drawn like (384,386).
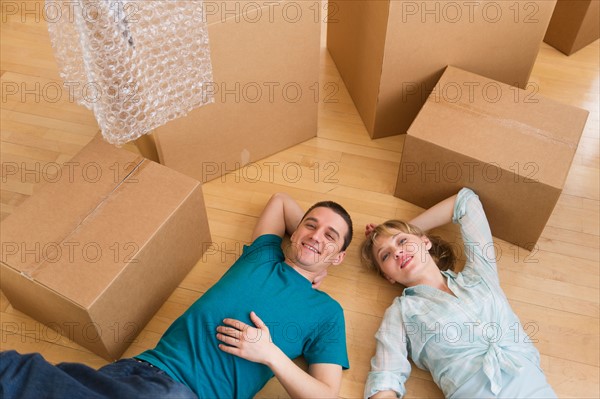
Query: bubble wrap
(135,64)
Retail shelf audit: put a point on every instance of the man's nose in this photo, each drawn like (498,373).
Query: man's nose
(316,234)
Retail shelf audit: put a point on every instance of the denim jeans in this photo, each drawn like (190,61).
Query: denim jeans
(31,376)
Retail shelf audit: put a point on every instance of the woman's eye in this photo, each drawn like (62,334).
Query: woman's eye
(402,240)
(384,257)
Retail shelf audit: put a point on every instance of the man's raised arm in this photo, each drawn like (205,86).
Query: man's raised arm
(281,214)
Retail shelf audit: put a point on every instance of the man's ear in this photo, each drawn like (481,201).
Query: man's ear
(338,258)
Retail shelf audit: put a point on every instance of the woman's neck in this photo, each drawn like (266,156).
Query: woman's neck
(437,280)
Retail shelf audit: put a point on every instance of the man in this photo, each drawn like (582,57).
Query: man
(262,313)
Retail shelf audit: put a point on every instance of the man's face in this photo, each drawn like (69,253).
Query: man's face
(319,238)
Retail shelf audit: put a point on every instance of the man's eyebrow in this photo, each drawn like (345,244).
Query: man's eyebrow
(393,238)
(334,231)
(314,219)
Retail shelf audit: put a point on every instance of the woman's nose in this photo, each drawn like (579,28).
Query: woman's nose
(398,253)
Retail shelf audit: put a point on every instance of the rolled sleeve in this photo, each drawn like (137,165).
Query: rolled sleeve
(476,233)
(378,381)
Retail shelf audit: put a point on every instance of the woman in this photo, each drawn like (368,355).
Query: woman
(459,326)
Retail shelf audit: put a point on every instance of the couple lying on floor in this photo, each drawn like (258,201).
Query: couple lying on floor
(236,336)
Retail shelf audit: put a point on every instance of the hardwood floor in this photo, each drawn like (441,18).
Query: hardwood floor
(556,289)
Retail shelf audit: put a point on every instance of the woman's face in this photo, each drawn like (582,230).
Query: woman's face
(403,257)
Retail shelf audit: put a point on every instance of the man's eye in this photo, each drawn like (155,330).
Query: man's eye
(329,236)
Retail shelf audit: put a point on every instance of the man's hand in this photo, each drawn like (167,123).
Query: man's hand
(245,341)
(254,344)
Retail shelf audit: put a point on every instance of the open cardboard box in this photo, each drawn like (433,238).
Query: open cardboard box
(98,249)
(513,147)
(390,53)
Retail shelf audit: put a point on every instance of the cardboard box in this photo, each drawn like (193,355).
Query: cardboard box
(390,54)
(574,25)
(98,249)
(266,68)
(514,148)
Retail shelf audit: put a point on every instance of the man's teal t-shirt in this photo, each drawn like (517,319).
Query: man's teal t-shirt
(301,320)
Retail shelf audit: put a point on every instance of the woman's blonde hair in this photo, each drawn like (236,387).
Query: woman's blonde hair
(441,251)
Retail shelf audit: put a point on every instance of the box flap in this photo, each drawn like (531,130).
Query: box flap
(574,25)
(524,132)
(360,25)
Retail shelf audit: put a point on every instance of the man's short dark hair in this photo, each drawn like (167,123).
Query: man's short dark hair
(337,208)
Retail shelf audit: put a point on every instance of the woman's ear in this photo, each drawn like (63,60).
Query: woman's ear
(427,242)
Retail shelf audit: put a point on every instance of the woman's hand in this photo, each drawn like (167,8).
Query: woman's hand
(319,279)
(369,229)
(245,341)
